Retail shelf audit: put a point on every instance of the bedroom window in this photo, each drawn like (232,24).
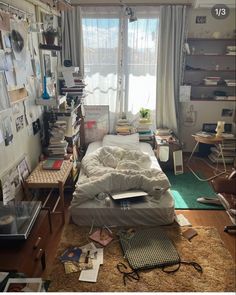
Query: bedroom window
(120,57)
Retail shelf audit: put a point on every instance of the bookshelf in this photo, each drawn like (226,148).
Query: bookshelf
(211,58)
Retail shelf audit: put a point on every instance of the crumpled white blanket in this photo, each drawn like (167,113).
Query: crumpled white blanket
(114,169)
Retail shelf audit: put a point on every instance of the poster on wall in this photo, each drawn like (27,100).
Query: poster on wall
(4,21)
(23,169)
(11,184)
(7,130)
(19,123)
(96,122)
(4,101)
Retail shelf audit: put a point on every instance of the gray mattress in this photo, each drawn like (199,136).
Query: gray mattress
(141,211)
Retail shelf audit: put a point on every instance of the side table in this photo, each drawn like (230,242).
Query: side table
(41,178)
(208,140)
(173,144)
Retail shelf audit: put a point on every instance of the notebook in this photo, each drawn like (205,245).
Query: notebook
(128,195)
(52,164)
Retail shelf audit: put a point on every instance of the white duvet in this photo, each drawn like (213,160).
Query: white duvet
(113,169)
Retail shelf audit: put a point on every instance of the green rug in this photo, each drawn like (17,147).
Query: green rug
(186,188)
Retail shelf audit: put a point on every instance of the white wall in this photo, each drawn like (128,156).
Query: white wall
(206,111)
(23,143)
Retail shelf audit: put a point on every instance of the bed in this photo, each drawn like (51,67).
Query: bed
(138,211)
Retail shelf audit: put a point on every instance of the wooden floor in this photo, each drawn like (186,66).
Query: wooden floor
(214,218)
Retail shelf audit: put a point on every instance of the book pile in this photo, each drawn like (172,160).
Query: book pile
(229,150)
(144,130)
(57,147)
(124,127)
(231,50)
(231,82)
(210,81)
(76,90)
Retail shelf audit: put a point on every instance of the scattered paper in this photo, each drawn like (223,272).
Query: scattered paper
(1,137)
(3,275)
(90,275)
(182,220)
(184,93)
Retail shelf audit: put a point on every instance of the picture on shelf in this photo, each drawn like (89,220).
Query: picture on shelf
(227,112)
(200,19)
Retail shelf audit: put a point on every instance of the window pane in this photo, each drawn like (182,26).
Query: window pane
(142,63)
(100,37)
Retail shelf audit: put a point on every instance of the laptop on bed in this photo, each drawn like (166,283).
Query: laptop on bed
(128,195)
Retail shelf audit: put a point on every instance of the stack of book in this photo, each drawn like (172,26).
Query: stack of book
(57,147)
(124,127)
(77,90)
(231,50)
(144,129)
(229,150)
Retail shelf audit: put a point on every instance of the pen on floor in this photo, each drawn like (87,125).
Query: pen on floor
(87,257)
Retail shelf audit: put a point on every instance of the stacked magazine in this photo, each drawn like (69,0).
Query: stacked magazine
(57,147)
(229,150)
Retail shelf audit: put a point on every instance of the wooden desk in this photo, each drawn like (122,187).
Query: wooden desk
(208,140)
(41,178)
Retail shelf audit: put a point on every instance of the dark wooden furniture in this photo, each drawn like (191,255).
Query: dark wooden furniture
(27,256)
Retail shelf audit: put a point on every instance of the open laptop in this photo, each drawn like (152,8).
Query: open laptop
(128,195)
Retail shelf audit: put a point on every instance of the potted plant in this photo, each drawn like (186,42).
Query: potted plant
(145,115)
(49,35)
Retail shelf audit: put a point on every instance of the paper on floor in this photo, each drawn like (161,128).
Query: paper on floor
(182,220)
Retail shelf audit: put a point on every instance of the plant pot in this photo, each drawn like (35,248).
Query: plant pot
(49,38)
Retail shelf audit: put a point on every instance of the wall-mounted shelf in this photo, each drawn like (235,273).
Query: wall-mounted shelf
(52,101)
(209,70)
(212,99)
(50,47)
(210,57)
(211,39)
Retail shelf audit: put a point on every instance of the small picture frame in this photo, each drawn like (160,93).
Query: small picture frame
(24,285)
(201,19)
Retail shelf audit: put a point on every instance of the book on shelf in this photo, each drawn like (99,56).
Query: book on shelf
(52,164)
(216,159)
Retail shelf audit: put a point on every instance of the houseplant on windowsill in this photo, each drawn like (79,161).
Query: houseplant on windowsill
(145,115)
(49,35)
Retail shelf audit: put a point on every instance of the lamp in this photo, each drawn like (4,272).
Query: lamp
(132,17)
(220,128)
(129,12)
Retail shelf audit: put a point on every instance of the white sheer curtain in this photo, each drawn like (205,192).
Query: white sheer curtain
(101,48)
(142,61)
(120,58)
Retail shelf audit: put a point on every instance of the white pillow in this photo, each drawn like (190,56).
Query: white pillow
(130,142)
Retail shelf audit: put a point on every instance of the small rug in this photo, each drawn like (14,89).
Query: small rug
(206,248)
(186,189)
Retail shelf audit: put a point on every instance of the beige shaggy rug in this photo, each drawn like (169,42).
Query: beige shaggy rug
(206,248)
